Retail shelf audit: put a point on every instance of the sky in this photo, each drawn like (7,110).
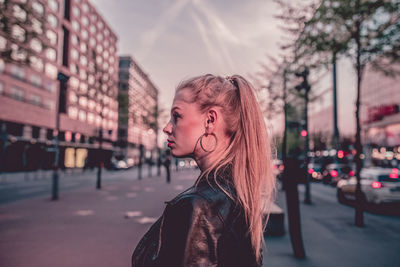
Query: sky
(176,39)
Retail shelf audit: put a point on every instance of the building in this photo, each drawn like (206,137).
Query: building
(138,111)
(380,117)
(52,39)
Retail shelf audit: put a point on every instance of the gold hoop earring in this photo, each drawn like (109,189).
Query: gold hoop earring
(201,142)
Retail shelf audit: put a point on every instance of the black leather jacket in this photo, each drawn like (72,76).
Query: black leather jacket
(200,227)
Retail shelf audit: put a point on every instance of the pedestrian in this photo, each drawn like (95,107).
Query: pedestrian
(167,165)
(219,221)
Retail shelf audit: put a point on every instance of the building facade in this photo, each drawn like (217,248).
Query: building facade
(50,39)
(380,117)
(138,112)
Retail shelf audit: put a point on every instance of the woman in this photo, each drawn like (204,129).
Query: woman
(218,221)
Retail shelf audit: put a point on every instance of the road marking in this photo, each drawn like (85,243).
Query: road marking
(178,187)
(130,214)
(149,189)
(84,212)
(111,198)
(144,220)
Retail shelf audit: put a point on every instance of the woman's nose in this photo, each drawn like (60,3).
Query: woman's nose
(167,128)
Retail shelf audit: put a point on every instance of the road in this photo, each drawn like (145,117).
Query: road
(89,227)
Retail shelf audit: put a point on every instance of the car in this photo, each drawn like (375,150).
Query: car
(315,171)
(278,167)
(378,186)
(336,171)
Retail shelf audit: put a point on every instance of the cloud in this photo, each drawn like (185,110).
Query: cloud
(149,38)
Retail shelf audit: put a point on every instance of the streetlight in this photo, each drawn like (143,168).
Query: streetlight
(63,79)
(304,85)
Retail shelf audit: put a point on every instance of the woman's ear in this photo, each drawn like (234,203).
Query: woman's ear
(211,119)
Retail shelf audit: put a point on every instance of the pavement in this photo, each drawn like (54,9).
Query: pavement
(89,227)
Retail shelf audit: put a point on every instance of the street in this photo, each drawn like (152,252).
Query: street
(89,227)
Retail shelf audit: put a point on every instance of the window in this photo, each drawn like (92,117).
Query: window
(2,65)
(50,86)
(36,80)
(51,71)
(85,35)
(3,43)
(74,69)
(17,93)
(36,63)
(91,79)
(18,72)
(53,4)
(35,100)
(82,115)
(72,97)
(49,104)
(107,32)
(74,54)
(73,82)
(83,47)
(19,13)
(72,112)
(85,21)
(100,37)
(90,118)
(106,54)
(98,120)
(83,75)
(85,7)
(100,25)
(92,42)
(92,29)
(76,11)
(52,20)
(37,26)
(18,53)
(52,36)
(1,88)
(99,49)
(18,33)
(83,88)
(76,26)
(38,8)
(51,54)
(91,104)
(83,60)
(36,45)
(75,40)
(83,102)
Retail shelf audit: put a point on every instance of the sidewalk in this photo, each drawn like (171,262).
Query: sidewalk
(89,227)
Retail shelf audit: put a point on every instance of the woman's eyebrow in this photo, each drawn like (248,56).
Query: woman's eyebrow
(174,108)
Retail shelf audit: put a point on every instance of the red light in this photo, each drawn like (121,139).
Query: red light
(303,133)
(310,171)
(68,136)
(334,173)
(351,173)
(340,154)
(394,170)
(376,185)
(394,175)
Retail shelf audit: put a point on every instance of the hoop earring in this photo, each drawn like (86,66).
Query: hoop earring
(201,141)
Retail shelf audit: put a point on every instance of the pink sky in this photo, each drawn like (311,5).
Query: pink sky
(176,39)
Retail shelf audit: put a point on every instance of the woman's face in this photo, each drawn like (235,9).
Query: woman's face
(185,126)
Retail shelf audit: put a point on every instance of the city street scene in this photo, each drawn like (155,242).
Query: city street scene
(86,90)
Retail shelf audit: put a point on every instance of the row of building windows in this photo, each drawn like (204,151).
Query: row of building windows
(92,105)
(19,94)
(91,118)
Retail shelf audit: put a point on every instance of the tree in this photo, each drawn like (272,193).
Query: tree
(367,32)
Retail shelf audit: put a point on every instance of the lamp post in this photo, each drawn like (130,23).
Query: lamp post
(304,85)
(63,79)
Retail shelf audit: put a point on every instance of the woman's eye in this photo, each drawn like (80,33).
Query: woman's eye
(175,116)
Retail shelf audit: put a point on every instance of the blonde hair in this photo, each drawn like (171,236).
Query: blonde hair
(249,151)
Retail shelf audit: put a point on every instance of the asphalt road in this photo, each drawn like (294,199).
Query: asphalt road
(89,227)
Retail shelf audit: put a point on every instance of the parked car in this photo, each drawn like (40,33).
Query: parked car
(378,185)
(277,166)
(336,171)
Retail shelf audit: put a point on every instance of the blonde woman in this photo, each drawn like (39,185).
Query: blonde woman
(219,221)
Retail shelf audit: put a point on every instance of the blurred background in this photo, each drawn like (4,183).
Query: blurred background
(86,88)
